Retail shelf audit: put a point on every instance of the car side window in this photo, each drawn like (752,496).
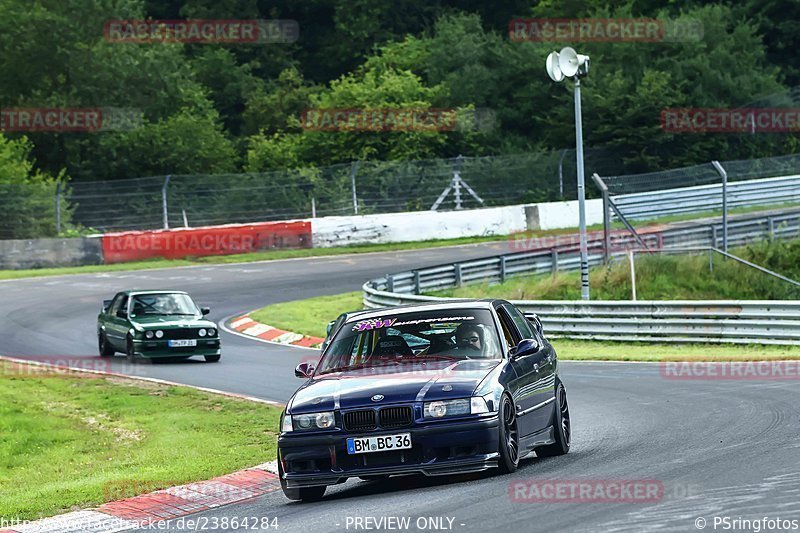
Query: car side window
(521,322)
(122,307)
(508,330)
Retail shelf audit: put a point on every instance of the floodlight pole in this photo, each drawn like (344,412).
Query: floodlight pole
(581,193)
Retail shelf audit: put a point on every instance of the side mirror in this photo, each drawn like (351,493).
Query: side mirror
(330,327)
(525,347)
(106,303)
(205,310)
(304,370)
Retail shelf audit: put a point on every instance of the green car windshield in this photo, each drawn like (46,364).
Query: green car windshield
(163,304)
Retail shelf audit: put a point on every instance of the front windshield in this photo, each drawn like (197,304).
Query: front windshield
(163,304)
(393,339)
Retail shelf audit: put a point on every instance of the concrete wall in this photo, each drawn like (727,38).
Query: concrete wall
(428,225)
(45,253)
(317,232)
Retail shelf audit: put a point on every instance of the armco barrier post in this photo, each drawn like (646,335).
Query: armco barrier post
(416,282)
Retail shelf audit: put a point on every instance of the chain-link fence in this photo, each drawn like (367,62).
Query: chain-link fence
(361,187)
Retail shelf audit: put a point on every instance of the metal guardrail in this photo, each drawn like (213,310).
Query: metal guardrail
(704,198)
(720,321)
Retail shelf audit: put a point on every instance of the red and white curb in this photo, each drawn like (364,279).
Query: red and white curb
(162,505)
(250,328)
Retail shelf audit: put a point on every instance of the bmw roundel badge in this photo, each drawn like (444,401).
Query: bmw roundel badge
(377,398)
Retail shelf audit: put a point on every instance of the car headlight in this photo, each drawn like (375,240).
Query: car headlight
(286,423)
(309,421)
(159,334)
(462,406)
(201,332)
(212,332)
(148,334)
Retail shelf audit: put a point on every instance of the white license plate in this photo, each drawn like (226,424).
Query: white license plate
(384,443)
(182,343)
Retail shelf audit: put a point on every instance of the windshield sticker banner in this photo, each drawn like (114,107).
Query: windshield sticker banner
(376,323)
(438,319)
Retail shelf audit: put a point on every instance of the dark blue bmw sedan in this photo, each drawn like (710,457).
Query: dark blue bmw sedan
(435,389)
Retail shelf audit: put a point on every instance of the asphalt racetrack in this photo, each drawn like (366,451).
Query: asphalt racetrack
(714,448)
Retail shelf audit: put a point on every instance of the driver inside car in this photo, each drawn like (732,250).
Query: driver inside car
(469,339)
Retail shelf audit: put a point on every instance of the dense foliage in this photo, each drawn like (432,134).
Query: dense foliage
(228,108)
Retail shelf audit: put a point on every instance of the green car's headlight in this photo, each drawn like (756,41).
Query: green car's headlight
(149,334)
(159,334)
(324,420)
(212,332)
(202,332)
(462,406)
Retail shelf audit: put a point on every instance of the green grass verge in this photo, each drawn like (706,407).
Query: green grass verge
(72,441)
(662,277)
(312,315)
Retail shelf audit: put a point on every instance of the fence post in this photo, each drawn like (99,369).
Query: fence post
(457,269)
(58,208)
(724,175)
(164,202)
(416,282)
(606,217)
(633,275)
(353,170)
(502,269)
(554,259)
(313,207)
(771,227)
(561,174)
(390,282)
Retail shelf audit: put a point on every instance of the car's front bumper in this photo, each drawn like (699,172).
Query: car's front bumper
(160,348)
(438,448)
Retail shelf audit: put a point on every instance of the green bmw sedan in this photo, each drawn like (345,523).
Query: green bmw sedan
(156,324)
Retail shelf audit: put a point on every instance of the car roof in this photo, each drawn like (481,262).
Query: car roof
(137,292)
(486,303)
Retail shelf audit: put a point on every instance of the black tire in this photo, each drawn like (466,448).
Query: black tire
(305,494)
(212,358)
(105,349)
(129,353)
(562,426)
(509,436)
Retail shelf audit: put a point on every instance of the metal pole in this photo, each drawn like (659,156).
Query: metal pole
(185,220)
(353,169)
(581,193)
(313,207)
(724,175)
(561,174)
(58,208)
(633,275)
(164,202)
(457,190)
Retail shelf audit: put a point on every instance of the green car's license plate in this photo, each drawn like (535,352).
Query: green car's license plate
(182,343)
